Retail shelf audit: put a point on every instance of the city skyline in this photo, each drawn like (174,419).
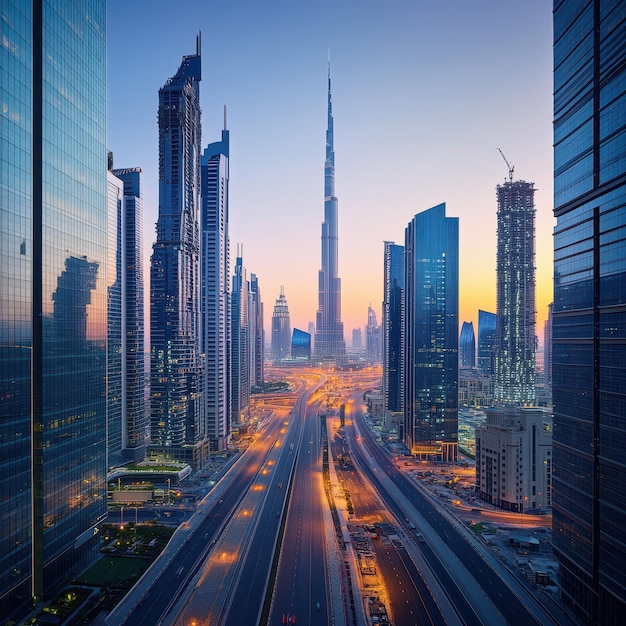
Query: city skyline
(412,130)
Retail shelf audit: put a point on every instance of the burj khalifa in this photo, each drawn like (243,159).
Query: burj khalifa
(329,341)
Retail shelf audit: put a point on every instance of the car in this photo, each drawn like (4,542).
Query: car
(280,485)
(318,607)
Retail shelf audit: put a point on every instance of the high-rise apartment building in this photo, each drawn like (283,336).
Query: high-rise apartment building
(257,335)
(215,288)
(431,359)
(393,327)
(178,427)
(53,209)
(515,294)
(589,311)
(486,341)
(467,346)
(547,349)
(240,345)
(128,434)
(281,328)
(357,338)
(329,342)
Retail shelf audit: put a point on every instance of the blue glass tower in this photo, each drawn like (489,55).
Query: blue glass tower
(215,288)
(486,341)
(329,342)
(431,360)
(53,211)
(589,310)
(467,346)
(393,327)
(240,347)
(178,427)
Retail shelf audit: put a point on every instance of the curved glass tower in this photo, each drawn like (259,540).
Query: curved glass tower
(329,342)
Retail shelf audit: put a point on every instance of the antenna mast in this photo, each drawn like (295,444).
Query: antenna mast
(511,167)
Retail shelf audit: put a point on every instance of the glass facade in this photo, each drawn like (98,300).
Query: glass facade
(301,345)
(178,427)
(515,295)
(467,346)
(215,289)
(53,216)
(393,327)
(257,351)
(240,350)
(431,363)
(486,341)
(589,310)
(281,328)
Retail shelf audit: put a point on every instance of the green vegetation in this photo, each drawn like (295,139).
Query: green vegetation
(114,571)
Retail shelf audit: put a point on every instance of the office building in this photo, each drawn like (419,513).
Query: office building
(300,345)
(53,207)
(467,346)
(589,309)
(215,288)
(357,338)
(515,294)
(373,338)
(547,349)
(393,327)
(281,328)
(128,274)
(486,341)
(240,345)
(514,459)
(257,334)
(178,427)
(329,341)
(431,360)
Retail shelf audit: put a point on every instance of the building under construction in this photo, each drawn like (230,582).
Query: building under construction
(515,325)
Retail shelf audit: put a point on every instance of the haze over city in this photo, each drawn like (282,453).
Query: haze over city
(424,94)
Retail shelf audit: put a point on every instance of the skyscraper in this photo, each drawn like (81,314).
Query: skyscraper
(467,346)
(329,342)
(128,433)
(257,336)
(53,207)
(178,427)
(547,349)
(281,328)
(515,299)
(373,348)
(240,346)
(393,327)
(431,359)
(589,333)
(486,341)
(215,287)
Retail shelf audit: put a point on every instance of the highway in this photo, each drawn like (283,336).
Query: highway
(507,602)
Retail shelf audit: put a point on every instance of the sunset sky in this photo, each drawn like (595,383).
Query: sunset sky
(424,94)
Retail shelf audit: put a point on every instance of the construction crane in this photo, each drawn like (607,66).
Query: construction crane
(511,167)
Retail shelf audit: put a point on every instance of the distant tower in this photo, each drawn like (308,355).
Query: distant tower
(215,287)
(357,338)
(486,341)
(515,275)
(373,338)
(240,347)
(547,348)
(431,360)
(127,315)
(281,328)
(329,342)
(178,428)
(393,327)
(467,346)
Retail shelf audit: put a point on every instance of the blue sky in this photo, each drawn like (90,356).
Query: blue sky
(424,93)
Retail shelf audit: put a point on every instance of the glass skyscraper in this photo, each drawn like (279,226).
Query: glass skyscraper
(515,294)
(467,346)
(134,433)
(215,288)
(257,335)
(393,327)
(486,341)
(281,328)
(329,342)
(240,347)
(53,308)
(178,427)
(431,360)
(589,309)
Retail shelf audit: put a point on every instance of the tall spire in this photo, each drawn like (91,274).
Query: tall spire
(329,342)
